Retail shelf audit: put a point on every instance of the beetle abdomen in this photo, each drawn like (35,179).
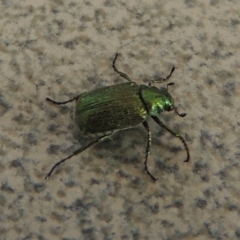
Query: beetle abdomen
(110,108)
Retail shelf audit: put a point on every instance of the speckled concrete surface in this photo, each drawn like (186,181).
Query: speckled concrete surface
(59,49)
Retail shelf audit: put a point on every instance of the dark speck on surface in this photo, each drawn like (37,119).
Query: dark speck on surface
(6,188)
(201,203)
(53,149)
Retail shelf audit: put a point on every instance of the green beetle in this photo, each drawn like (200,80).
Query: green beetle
(121,106)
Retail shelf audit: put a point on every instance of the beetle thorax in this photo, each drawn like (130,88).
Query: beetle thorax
(156,100)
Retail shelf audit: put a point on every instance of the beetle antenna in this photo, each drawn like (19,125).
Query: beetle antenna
(170,84)
(179,114)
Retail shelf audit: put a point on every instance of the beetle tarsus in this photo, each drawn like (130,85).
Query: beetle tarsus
(152,177)
(122,74)
(160,80)
(59,103)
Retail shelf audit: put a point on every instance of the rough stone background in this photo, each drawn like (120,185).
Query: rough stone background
(59,49)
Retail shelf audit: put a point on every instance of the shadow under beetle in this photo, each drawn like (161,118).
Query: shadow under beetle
(121,106)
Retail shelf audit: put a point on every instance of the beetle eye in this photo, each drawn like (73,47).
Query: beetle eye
(169,108)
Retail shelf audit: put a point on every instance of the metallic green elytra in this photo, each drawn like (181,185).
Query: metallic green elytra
(121,106)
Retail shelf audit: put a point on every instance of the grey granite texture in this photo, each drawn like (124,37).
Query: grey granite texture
(59,49)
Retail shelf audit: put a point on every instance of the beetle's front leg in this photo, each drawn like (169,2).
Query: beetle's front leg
(156,119)
(160,79)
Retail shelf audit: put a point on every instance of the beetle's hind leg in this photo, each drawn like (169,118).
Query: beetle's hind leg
(100,139)
(122,74)
(59,103)
(149,142)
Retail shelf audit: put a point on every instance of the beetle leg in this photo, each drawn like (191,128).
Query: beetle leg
(156,119)
(145,124)
(100,139)
(59,103)
(160,80)
(122,74)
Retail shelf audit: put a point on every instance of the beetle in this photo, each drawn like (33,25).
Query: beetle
(122,106)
